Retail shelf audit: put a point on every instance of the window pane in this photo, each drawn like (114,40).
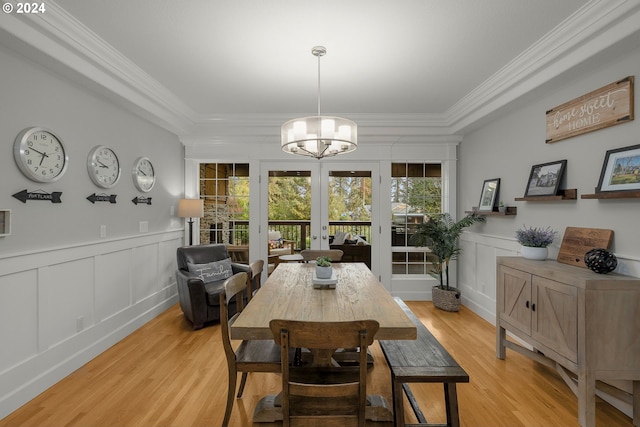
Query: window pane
(416,191)
(225,190)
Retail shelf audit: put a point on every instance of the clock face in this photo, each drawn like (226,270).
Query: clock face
(144,176)
(40,155)
(103,166)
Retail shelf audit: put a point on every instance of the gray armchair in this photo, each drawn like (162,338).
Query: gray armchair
(201,273)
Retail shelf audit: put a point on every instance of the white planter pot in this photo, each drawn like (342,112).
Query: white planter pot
(534,253)
(323,272)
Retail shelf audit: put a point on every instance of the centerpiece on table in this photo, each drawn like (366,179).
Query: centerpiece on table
(440,233)
(323,267)
(534,241)
(323,276)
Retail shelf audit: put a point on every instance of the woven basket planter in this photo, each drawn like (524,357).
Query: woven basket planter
(447,300)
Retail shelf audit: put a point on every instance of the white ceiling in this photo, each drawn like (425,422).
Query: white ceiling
(225,57)
(233,71)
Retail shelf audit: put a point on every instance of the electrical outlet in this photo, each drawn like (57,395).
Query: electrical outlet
(144,226)
(103,231)
(79,323)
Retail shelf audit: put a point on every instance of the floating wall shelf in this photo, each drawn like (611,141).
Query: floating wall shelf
(613,195)
(570,194)
(510,211)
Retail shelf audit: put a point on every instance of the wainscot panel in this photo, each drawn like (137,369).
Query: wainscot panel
(78,301)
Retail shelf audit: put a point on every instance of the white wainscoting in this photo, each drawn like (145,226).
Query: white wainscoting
(477,269)
(60,308)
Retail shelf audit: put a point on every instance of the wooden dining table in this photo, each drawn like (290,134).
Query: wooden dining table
(289,294)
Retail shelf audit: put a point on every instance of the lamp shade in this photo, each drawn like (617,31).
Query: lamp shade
(191,208)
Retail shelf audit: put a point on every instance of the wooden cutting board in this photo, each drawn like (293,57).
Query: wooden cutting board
(577,241)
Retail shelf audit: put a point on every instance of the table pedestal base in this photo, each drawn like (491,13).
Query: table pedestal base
(268,409)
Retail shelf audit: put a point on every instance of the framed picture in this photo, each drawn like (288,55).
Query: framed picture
(545,178)
(621,170)
(489,194)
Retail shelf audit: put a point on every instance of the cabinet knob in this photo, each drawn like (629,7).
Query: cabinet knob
(533,307)
(526,304)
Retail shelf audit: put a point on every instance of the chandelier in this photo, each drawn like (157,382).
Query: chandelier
(319,136)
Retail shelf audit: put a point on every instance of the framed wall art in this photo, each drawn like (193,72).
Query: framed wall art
(489,195)
(621,170)
(545,178)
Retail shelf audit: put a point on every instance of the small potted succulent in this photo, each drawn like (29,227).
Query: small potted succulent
(323,267)
(502,208)
(534,241)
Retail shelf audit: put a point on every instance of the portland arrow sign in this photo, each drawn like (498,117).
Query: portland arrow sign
(24,195)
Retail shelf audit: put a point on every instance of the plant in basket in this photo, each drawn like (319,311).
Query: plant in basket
(440,233)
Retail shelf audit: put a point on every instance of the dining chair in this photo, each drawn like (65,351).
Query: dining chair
(256,277)
(343,390)
(311,254)
(250,355)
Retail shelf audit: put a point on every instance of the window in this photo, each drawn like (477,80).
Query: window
(416,190)
(225,190)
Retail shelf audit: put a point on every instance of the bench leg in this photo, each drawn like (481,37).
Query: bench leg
(398,402)
(451,404)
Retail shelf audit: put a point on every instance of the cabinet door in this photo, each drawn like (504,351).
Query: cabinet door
(515,299)
(555,316)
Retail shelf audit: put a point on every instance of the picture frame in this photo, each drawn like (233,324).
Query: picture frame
(545,178)
(489,195)
(620,170)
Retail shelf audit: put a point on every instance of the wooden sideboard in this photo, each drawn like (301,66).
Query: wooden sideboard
(585,325)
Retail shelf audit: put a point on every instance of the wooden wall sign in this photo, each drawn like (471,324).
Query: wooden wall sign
(610,105)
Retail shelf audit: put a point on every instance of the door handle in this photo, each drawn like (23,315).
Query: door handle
(314,237)
(324,237)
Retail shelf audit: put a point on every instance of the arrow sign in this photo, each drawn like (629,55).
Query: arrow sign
(141,200)
(24,195)
(102,198)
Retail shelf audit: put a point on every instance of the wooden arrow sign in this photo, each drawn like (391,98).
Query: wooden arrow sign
(141,200)
(24,195)
(102,198)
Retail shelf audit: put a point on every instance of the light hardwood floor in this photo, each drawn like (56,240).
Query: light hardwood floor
(165,374)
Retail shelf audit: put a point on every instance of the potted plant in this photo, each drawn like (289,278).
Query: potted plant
(534,241)
(502,208)
(323,267)
(440,233)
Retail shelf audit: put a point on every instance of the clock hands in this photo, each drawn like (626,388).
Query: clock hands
(102,165)
(42,154)
(142,172)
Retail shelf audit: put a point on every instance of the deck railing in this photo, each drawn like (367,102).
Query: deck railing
(298,231)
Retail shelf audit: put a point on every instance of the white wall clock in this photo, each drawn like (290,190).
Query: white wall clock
(40,154)
(144,176)
(103,166)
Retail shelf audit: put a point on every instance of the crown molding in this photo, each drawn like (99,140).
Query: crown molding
(59,41)
(596,26)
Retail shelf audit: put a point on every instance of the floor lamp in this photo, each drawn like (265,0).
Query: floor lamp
(191,208)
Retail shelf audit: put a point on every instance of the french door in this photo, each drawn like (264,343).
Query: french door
(337,197)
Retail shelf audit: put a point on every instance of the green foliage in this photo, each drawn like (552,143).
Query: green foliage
(440,233)
(323,261)
(350,199)
(289,198)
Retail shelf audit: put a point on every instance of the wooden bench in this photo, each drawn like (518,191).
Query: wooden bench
(424,360)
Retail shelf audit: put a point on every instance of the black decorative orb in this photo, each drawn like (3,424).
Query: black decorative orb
(600,260)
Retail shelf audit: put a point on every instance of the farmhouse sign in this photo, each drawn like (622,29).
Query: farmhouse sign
(604,107)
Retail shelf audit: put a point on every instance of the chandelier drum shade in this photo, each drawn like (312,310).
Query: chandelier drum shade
(319,136)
